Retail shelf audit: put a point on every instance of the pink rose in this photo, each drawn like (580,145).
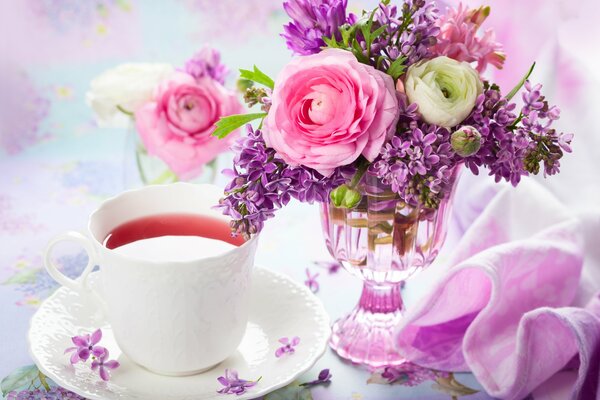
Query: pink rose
(328,109)
(178,125)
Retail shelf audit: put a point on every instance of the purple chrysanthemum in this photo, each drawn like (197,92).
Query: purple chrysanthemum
(311,20)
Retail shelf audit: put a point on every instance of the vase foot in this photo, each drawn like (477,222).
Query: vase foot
(364,337)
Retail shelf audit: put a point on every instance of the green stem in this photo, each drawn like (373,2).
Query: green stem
(166,177)
(124,111)
(360,172)
(213,167)
(138,162)
(514,124)
(43,381)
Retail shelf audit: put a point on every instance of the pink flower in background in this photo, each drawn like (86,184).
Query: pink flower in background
(328,109)
(177,126)
(207,63)
(458,38)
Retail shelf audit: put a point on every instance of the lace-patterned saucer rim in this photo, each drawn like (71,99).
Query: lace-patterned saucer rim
(66,313)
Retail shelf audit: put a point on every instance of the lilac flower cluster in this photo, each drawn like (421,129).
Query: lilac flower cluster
(419,163)
(54,393)
(207,63)
(262,183)
(513,146)
(547,145)
(410,31)
(311,20)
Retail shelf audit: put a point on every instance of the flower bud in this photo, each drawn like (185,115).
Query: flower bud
(337,195)
(466,141)
(351,199)
(345,197)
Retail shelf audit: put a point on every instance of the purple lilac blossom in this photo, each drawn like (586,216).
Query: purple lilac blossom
(288,346)
(207,63)
(418,163)
(311,20)
(233,384)
(511,146)
(261,183)
(413,40)
(55,393)
(103,365)
(86,346)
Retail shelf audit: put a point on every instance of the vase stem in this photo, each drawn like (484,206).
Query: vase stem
(381,298)
(366,335)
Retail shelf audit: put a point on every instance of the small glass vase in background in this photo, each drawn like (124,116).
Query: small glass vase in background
(382,241)
(143,169)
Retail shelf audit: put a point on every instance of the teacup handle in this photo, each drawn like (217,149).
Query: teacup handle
(80,284)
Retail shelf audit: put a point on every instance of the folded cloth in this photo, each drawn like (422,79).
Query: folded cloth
(500,304)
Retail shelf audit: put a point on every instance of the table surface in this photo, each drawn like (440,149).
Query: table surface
(57,165)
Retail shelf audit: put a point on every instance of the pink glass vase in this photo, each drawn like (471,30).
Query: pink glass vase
(383,241)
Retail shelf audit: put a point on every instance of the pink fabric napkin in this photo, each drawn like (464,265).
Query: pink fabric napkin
(500,304)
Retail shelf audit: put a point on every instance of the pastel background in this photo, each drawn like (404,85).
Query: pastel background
(56,164)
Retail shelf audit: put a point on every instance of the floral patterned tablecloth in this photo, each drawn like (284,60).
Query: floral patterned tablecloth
(56,164)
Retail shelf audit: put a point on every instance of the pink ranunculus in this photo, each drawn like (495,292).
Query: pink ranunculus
(328,109)
(177,126)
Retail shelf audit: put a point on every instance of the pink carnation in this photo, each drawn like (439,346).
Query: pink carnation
(458,38)
(328,109)
(177,126)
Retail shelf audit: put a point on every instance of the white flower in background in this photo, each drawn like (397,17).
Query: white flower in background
(128,87)
(444,89)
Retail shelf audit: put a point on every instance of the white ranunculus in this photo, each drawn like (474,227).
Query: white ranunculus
(128,86)
(444,89)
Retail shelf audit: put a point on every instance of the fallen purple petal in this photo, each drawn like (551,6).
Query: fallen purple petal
(311,281)
(233,384)
(288,346)
(323,378)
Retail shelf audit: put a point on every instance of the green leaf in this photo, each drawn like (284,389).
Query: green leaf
(19,378)
(293,391)
(28,276)
(257,76)
(378,32)
(331,42)
(397,68)
(520,84)
(347,33)
(358,52)
(226,125)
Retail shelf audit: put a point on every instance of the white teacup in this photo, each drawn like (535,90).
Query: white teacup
(171,317)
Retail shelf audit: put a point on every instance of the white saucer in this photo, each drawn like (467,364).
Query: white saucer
(280,308)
